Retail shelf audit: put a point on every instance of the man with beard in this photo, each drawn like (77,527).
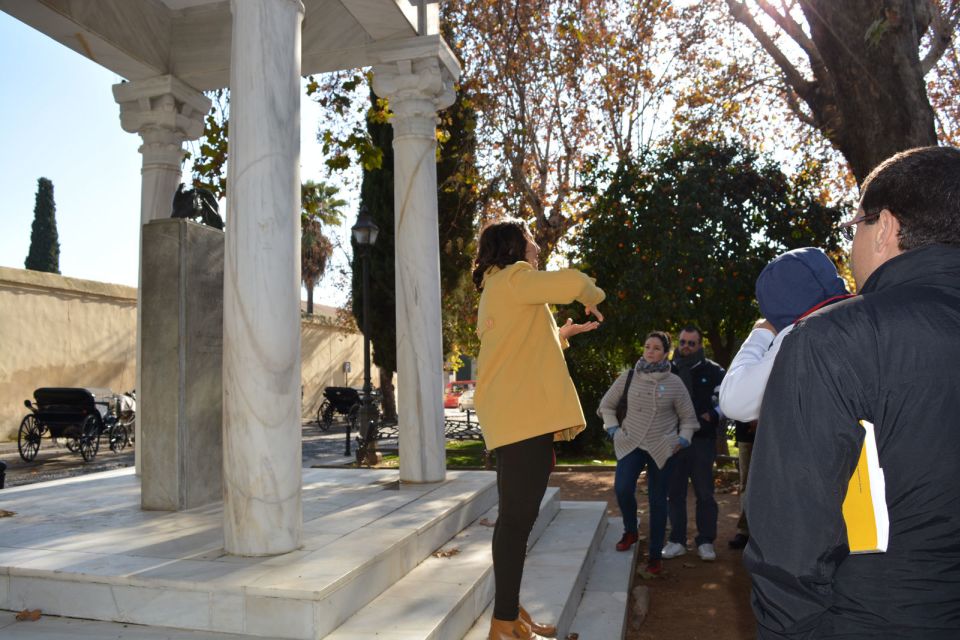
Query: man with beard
(702,378)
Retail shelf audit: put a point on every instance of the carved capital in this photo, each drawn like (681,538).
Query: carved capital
(416,89)
(165,112)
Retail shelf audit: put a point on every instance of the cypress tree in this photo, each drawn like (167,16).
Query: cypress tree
(44,245)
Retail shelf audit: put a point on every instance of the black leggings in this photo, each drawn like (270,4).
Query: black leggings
(523,469)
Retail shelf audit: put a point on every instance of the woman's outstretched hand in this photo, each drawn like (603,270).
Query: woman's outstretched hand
(592,309)
(568,330)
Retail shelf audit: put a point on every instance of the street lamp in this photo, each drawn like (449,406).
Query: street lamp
(364,235)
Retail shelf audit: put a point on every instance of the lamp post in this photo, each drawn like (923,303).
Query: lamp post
(364,235)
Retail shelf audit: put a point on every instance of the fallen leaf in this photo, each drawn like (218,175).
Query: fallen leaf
(488,523)
(7,514)
(689,565)
(573,636)
(31,615)
(446,553)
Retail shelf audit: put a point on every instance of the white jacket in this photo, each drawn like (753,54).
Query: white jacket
(742,388)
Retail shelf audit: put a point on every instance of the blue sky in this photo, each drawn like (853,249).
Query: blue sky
(58,120)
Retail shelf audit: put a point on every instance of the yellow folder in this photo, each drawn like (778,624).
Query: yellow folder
(865,506)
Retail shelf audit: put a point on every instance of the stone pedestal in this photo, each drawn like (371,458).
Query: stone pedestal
(417,89)
(180,398)
(262,508)
(165,112)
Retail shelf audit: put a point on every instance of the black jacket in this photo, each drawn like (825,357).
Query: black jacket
(890,356)
(706,377)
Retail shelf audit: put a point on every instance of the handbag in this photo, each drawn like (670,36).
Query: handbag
(622,403)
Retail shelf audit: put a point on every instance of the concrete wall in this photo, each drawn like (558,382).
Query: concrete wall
(57,331)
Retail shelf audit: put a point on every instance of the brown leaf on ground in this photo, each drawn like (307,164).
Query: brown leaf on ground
(446,553)
(488,523)
(29,615)
(7,514)
(573,636)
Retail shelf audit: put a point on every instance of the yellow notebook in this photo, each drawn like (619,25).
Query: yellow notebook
(865,507)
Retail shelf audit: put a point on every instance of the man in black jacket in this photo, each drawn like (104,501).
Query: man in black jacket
(702,377)
(888,356)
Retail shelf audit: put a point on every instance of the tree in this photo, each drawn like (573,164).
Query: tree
(44,252)
(560,80)
(681,237)
(859,75)
(319,206)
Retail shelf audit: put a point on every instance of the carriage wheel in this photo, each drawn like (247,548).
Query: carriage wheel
(89,439)
(28,438)
(119,438)
(325,415)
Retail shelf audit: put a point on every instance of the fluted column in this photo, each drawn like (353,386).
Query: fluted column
(166,113)
(417,89)
(261,315)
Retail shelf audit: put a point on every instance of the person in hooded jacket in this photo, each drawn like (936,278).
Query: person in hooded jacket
(888,356)
(792,285)
(525,399)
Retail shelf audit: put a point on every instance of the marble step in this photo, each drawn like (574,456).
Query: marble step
(556,569)
(602,614)
(444,595)
(362,533)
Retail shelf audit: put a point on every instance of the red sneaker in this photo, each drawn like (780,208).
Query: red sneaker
(628,540)
(655,567)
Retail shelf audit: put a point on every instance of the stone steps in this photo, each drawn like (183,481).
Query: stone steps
(602,614)
(364,533)
(557,568)
(442,597)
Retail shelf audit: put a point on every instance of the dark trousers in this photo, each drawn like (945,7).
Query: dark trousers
(696,463)
(523,469)
(625,487)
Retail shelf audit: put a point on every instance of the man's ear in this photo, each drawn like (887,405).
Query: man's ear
(887,237)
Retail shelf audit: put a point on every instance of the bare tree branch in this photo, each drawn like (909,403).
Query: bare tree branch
(944,23)
(795,31)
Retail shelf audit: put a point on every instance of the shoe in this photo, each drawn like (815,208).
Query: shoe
(673,550)
(545,630)
(655,567)
(706,552)
(628,540)
(511,630)
(738,541)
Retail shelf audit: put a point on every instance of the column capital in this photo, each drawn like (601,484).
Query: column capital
(417,89)
(163,102)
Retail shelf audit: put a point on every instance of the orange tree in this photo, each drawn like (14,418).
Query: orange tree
(680,237)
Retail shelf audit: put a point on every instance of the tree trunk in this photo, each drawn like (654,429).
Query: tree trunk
(389,400)
(871,99)
(309,298)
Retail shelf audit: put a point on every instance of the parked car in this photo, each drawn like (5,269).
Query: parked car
(453,390)
(465,402)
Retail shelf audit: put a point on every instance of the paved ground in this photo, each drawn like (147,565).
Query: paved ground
(54,461)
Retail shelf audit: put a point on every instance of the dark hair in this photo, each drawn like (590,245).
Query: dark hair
(692,328)
(501,244)
(663,336)
(921,188)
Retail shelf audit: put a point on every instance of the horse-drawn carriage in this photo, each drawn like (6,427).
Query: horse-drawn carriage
(78,415)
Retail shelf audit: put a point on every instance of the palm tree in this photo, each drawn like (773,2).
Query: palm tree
(319,206)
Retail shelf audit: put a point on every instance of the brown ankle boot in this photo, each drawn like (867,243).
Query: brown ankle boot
(545,630)
(511,630)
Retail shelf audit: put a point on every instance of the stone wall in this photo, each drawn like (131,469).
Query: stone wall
(65,332)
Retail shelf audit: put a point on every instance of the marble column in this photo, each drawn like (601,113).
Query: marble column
(166,113)
(261,315)
(417,89)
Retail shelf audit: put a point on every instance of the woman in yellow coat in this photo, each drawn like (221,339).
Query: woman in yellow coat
(525,398)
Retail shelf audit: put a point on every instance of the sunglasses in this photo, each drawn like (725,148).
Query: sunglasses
(847,230)
(688,343)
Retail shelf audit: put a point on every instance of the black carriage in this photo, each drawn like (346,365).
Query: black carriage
(78,415)
(345,401)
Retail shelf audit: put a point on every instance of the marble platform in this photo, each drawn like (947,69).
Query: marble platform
(82,548)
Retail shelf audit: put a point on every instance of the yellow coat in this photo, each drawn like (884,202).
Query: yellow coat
(523,386)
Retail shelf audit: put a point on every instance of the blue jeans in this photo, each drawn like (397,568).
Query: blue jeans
(625,486)
(694,462)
